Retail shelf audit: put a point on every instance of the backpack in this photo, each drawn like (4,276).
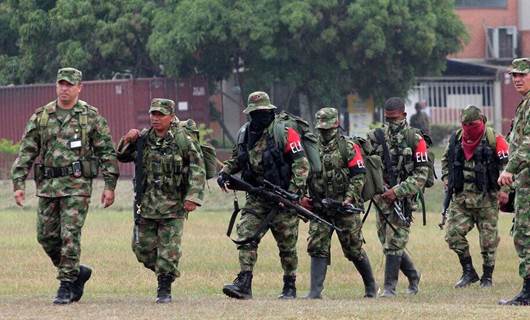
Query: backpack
(410,138)
(373,179)
(207,151)
(309,139)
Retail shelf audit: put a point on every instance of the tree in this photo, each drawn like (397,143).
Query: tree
(98,37)
(322,49)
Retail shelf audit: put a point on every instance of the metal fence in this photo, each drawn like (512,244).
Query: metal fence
(446,98)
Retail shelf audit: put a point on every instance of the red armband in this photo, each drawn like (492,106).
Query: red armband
(502,147)
(420,155)
(357,161)
(293,144)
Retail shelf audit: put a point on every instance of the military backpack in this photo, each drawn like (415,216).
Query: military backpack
(208,152)
(373,180)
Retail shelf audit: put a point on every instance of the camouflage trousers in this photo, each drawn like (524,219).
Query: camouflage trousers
(521,229)
(461,220)
(157,244)
(350,238)
(393,242)
(59,223)
(284,228)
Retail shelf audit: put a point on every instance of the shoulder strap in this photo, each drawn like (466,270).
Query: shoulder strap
(387,162)
(492,139)
(343,149)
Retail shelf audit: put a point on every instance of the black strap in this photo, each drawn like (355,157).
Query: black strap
(264,225)
(385,217)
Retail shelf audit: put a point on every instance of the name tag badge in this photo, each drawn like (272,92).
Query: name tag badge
(75,144)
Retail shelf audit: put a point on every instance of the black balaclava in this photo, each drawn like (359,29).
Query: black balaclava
(259,121)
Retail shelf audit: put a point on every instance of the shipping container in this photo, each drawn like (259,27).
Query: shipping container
(124,103)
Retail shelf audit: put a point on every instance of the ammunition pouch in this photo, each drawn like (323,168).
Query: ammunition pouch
(89,168)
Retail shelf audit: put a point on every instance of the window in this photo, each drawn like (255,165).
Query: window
(481,3)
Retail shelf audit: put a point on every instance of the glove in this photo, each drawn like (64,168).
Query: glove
(222,179)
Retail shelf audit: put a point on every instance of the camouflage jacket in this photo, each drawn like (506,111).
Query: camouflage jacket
(339,180)
(173,172)
(50,139)
(421,121)
(471,196)
(409,160)
(291,147)
(519,139)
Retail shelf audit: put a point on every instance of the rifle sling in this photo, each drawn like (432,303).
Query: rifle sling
(264,225)
(384,217)
(139,186)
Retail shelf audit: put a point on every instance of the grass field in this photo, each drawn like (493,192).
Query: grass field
(122,289)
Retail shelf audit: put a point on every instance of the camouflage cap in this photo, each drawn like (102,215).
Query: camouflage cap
(70,75)
(521,65)
(327,118)
(258,100)
(164,106)
(472,113)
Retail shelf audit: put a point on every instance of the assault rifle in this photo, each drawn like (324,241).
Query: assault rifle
(337,206)
(275,194)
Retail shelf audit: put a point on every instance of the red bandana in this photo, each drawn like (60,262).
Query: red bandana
(471,135)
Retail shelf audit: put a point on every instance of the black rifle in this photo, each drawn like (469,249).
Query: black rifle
(447,200)
(337,206)
(275,194)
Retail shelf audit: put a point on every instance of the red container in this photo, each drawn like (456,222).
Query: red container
(124,103)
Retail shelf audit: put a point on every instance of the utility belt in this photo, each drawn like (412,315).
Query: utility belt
(77,169)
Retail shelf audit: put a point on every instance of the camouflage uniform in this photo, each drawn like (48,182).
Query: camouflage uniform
(284,225)
(173,171)
(339,181)
(519,166)
(71,143)
(409,162)
(420,120)
(474,205)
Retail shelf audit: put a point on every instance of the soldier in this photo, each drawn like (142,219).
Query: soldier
(517,173)
(170,177)
(341,181)
(420,119)
(405,172)
(72,140)
(258,156)
(470,167)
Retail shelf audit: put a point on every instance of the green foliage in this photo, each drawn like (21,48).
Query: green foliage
(440,132)
(8,147)
(320,48)
(98,37)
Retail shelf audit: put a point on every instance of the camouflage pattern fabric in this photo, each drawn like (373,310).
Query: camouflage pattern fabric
(159,245)
(258,100)
(519,165)
(70,75)
(413,173)
(173,170)
(52,144)
(284,228)
(164,106)
(63,202)
(421,121)
(59,224)
(174,173)
(461,219)
(338,182)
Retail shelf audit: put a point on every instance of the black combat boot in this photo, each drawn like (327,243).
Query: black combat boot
(319,267)
(408,269)
(365,270)
(391,275)
(289,288)
(163,292)
(522,298)
(469,275)
(487,280)
(64,293)
(241,288)
(78,285)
